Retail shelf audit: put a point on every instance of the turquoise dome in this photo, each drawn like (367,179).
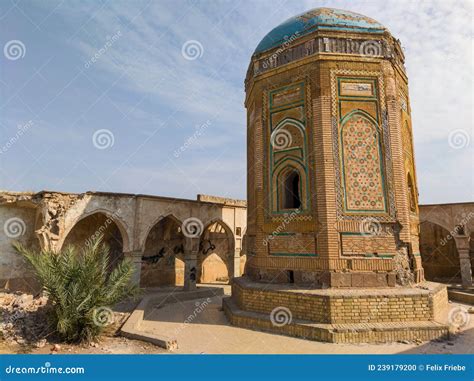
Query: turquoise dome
(318,19)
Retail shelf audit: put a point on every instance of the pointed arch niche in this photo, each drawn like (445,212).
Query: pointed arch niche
(362,164)
(288,167)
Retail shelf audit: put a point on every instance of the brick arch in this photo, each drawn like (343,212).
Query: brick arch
(280,170)
(294,153)
(291,122)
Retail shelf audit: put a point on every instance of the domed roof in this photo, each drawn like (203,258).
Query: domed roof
(318,19)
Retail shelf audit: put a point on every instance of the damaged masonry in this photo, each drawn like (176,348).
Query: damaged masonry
(179,232)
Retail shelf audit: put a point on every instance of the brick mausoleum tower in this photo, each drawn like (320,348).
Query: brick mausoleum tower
(332,233)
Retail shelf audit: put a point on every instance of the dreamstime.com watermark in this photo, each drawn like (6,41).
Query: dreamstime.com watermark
(281,227)
(22,129)
(192,50)
(103,139)
(371,48)
(370,227)
(281,316)
(459,227)
(459,138)
(459,317)
(14,50)
(45,369)
(269,61)
(14,227)
(192,227)
(200,307)
(109,43)
(100,230)
(200,130)
(103,316)
(281,139)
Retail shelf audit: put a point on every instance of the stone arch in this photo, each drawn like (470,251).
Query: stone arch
(216,253)
(91,225)
(439,254)
(438,220)
(163,253)
(362,164)
(121,225)
(153,224)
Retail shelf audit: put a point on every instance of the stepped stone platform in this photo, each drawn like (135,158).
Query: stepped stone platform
(461,295)
(340,316)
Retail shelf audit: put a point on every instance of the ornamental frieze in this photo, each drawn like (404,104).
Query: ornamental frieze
(288,52)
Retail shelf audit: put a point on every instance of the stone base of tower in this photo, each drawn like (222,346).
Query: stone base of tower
(324,279)
(340,316)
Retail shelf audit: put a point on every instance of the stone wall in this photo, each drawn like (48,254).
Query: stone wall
(447,241)
(51,220)
(17,224)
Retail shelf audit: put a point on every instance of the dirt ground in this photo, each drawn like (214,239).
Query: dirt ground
(210,333)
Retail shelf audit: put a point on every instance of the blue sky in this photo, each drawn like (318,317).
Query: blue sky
(116,104)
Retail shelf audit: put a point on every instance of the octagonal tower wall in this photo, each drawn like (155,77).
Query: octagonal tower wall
(331,110)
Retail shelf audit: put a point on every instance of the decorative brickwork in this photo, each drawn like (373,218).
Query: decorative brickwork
(333,201)
(361,164)
(341,317)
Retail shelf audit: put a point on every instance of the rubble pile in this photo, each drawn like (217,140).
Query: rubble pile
(23,319)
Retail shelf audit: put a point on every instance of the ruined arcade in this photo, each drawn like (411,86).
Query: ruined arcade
(332,230)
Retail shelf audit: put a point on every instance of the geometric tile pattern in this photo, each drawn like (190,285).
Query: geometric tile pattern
(362,165)
(342,214)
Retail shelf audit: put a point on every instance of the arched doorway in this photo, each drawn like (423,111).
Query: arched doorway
(87,229)
(215,258)
(163,255)
(439,254)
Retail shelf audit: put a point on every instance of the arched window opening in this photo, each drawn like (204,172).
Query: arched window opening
(291,190)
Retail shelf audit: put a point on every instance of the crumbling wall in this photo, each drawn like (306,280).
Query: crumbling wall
(16,224)
(44,220)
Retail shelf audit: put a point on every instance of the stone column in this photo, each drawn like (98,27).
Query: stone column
(136,258)
(191,249)
(236,271)
(462,244)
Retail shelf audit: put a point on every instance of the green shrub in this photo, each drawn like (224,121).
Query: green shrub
(80,287)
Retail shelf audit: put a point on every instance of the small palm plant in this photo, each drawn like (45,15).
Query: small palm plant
(80,287)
